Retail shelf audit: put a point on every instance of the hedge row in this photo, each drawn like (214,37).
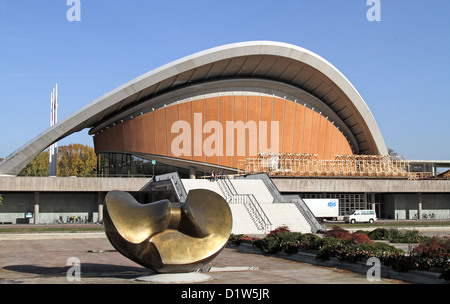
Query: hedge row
(359,246)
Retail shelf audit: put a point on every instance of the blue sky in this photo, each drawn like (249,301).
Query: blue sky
(400,65)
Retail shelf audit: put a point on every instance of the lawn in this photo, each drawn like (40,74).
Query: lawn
(389,223)
(41,229)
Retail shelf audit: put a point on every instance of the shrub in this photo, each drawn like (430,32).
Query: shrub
(269,244)
(434,252)
(275,242)
(395,235)
(385,234)
(359,238)
(236,239)
(398,262)
(408,236)
(309,241)
(362,231)
(280,229)
(332,242)
(339,233)
(378,234)
(445,270)
(382,249)
(435,247)
(352,254)
(329,247)
(348,250)
(343,234)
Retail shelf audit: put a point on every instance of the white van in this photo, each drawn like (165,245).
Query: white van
(361,216)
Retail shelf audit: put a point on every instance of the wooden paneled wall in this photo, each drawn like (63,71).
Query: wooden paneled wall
(300,130)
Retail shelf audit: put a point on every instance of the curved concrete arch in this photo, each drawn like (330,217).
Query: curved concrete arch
(274,60)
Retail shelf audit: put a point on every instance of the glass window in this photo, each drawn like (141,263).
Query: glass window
(123,164)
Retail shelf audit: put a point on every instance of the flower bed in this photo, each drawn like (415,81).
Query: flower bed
(359,246)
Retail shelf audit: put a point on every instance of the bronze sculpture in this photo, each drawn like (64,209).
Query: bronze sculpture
(168,237)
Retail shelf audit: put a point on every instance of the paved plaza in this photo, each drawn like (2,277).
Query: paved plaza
(42,258)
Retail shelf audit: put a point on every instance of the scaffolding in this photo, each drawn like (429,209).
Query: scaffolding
(291,164)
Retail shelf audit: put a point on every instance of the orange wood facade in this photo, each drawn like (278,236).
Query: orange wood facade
(300,130)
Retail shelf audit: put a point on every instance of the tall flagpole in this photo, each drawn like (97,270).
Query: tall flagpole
(53,151)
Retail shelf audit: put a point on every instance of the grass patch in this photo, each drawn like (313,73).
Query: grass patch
(49,229)
(391,224)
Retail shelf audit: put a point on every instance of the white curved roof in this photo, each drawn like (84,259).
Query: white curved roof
(274,61)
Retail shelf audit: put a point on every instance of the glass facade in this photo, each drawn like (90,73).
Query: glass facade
(128,165)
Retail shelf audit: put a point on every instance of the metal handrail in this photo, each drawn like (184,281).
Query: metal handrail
(177,185)
(261,215)
(230,185)
(307,214)
(250,203)
(226,191)
(255,211)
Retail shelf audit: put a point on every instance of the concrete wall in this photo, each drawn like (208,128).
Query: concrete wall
(342,185)
(400,198)
(405,205)
(71,184)
(58,196)
(51,206)
(15,205)
(79,196)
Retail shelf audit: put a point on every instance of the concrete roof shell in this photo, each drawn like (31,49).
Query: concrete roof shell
(275,61)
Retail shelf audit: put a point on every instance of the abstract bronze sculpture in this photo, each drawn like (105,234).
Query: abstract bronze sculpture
(168,237)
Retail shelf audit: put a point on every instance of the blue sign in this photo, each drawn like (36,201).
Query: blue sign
(331,204)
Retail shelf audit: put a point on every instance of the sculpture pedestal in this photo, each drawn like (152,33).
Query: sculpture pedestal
(175,278)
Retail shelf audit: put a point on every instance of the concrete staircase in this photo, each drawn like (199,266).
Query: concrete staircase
(254,208)
(255,187)
(190,184)
(286,214)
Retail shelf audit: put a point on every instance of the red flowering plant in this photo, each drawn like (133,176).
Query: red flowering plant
(346,246)
(237,239)
(359,238)
(339,233)
(434,252)
(280,229)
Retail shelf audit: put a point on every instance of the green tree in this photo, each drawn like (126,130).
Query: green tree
(73,160)
(37,167)
(76,160)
